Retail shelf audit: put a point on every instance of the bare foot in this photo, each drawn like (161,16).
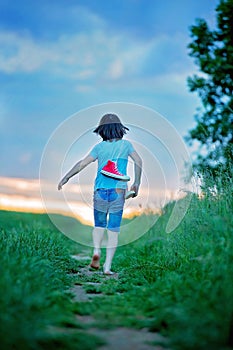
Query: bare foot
(95,263)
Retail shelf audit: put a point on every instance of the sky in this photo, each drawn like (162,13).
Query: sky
(60,57)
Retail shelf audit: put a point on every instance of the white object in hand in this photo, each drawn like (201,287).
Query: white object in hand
(129,194)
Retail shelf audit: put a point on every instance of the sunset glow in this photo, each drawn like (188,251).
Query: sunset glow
(23,195)
(35,205)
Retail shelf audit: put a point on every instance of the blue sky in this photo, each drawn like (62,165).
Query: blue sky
(58,57)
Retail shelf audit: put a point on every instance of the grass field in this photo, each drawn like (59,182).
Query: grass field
(177,284)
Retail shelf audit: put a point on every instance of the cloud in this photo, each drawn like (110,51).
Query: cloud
(116,69)
(25,157)
(80,56)
(84,88)
(24,195)
(70,17)
(96,54)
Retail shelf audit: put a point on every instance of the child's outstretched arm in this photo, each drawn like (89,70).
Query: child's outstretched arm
(137,172)
(76,169)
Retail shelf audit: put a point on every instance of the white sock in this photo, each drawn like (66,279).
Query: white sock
(97,235)
(111,248)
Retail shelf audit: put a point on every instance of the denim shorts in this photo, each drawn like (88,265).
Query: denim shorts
(108,208)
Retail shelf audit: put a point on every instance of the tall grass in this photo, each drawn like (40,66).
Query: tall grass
(35,266)
(178,284)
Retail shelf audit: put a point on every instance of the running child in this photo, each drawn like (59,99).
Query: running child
(110,189)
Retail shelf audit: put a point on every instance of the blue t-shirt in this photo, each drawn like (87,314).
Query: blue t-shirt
(117,151)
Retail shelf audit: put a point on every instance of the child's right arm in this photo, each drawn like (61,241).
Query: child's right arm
(76,169)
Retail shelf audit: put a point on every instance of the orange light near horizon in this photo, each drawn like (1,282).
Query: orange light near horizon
(34,205)
(24,195)
(18,183)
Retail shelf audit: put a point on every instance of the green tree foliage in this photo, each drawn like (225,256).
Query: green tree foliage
(212,51)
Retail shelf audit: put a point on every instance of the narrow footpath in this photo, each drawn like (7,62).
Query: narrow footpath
(117,338)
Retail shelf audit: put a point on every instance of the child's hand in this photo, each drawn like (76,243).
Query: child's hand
(135,188)
(61,183)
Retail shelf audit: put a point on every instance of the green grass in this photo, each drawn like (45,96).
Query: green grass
(36,310)
(178,284)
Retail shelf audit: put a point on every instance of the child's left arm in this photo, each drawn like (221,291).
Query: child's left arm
(76,169)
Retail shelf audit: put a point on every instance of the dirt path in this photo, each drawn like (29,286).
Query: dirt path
(118,338)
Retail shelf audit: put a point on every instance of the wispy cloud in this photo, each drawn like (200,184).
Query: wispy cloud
(66,57)
(86,55)
(97,54)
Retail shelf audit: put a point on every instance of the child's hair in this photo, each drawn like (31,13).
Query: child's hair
(110,127)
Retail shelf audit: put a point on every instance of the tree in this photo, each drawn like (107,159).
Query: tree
(212,51)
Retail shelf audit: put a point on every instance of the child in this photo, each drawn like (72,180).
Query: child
(110,184)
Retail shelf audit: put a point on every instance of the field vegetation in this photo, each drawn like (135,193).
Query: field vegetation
(177,284)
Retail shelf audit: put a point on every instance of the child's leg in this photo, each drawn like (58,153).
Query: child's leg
(114,222)
(110,251)
(97,235)
(113,233)
(100,218)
